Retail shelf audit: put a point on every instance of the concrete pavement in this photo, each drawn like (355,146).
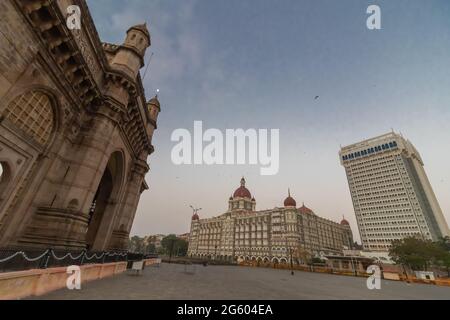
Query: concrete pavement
(174,281)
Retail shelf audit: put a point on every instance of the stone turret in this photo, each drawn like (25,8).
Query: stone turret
(130,55)
(154,108)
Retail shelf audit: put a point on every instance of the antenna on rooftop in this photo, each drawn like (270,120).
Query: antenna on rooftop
(195,210)
(146,68)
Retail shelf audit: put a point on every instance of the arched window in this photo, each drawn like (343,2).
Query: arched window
(32,113)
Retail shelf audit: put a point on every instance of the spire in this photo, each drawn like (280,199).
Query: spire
(155,101)
(142,28)
(289,201)
(243,182)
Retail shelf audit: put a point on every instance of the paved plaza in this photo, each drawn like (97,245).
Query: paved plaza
(174,281)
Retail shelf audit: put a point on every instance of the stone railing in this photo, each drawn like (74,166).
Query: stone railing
(37,282)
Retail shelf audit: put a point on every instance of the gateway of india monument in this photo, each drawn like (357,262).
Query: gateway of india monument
(75,129)
(273,235)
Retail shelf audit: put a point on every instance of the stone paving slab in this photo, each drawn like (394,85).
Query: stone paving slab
(175,282)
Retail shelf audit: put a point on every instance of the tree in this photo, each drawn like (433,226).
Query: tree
(416,253)
(136,244)
(182,247)
(173,245)
(445,242)
(443,254)
(317,260)
(302,255)
(168,243)
(150,248)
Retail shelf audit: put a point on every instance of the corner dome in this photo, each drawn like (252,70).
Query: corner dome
(142,28)
(154,101)
(305,210)
(344,222)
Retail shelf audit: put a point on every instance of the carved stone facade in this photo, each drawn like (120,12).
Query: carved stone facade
(75,129)
(275,235)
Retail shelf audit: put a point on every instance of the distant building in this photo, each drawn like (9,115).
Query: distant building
(154,239)
(242,233)
(184,236)
(391,194)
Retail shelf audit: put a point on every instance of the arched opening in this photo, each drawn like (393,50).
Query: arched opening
(5,178)
(103,205)
(98,207)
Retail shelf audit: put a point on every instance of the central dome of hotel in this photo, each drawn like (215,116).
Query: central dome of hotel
(242,191)
(289,201)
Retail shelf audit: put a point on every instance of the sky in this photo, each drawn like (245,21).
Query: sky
(260,64)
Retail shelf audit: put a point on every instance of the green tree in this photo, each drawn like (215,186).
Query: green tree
(302,255)
(414,252)
(136,244)
(174,245)
(151,248)
(182,247)
(443,253)
(445,242)
(168,243)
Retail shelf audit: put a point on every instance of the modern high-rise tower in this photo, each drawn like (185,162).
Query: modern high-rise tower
(391,193)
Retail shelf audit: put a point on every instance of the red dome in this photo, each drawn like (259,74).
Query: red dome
(305,210)
(195,217)
(242,191)
(289,201)
(345,222)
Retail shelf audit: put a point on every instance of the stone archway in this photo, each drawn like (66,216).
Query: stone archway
(104,204)
(5,177)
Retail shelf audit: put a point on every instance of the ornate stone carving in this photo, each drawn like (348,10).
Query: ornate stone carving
(87,53)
